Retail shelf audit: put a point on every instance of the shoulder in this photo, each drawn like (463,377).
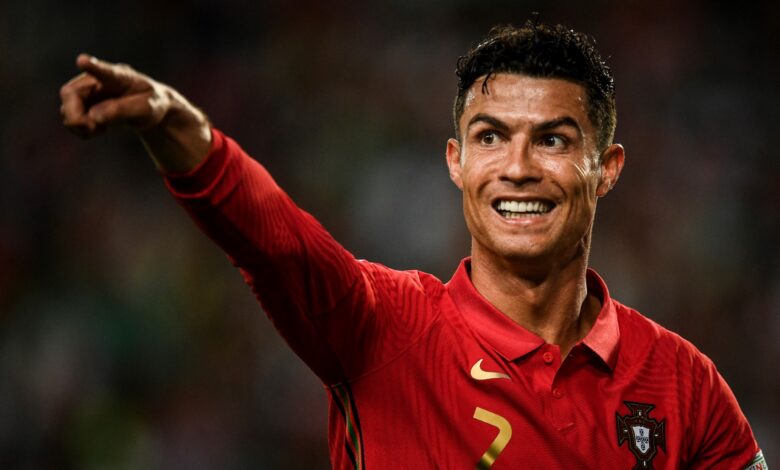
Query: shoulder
(677,374)
(636,327)
(381,276)
(403,293)
(643,340)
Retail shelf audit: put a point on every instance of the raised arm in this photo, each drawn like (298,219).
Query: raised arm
(340,315)
(176,134)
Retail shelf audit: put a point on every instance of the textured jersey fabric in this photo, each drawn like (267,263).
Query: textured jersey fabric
(421,374)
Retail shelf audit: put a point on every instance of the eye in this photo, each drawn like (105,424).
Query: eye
(553,141)
(488,138)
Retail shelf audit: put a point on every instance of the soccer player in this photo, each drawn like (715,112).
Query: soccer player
(523,359)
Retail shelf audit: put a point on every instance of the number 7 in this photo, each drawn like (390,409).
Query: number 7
(498,444)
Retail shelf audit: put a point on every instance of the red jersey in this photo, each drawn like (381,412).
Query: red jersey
(421,374)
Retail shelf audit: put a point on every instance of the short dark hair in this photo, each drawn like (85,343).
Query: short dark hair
(544,51)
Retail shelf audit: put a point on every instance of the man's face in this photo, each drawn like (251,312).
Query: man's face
(529,169)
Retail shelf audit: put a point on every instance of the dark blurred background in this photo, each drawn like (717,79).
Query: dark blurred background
(128,341)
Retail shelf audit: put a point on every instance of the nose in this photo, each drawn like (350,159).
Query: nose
(521,165)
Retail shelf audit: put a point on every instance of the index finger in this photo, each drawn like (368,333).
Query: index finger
(113,76)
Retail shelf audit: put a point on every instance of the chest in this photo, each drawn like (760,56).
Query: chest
(452,401)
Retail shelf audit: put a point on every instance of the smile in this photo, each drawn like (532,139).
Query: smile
(516,209)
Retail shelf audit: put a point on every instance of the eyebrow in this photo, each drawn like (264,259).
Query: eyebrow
(486,118)
(500,125)
(567,121)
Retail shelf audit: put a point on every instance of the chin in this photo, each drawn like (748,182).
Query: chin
(526,253)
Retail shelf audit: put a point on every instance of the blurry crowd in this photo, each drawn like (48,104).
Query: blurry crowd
(128,341)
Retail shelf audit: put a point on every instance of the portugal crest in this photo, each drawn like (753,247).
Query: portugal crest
(644,434)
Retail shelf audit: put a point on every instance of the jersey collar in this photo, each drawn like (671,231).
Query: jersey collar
(513,341)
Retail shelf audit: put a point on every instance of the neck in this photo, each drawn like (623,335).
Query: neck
(551,301)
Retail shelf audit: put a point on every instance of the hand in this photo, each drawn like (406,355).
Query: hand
(109,94)
(176,133)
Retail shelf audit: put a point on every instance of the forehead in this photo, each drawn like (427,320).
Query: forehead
(520,97)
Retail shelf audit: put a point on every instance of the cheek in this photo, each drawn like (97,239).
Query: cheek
(472,181)
(471,202)
(575,178)
(587,171)
(475,174)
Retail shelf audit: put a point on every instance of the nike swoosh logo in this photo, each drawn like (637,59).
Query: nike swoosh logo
(478,373)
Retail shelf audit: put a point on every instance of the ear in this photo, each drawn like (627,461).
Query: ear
(612,160)
(453,162)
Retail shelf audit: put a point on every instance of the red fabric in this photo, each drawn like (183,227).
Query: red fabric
(396,351)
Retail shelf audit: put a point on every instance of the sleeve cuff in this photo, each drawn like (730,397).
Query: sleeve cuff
(198,180)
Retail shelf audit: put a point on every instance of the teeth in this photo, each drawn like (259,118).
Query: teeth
(517,208)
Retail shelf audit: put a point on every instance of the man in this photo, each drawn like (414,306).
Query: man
(521,360)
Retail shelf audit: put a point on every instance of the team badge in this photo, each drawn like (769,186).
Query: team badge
(644,434)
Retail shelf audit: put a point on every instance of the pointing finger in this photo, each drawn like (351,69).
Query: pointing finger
(82,60)
(99,68)
(116,78)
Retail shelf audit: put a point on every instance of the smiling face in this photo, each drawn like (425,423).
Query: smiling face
(529,169)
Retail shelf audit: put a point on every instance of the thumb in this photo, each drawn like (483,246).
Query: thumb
(138,110)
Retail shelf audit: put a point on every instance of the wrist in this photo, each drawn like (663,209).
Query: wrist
(182,138)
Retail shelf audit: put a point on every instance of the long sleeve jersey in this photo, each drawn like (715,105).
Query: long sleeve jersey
(422,374)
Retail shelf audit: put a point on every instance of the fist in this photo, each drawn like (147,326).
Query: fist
(106,94)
